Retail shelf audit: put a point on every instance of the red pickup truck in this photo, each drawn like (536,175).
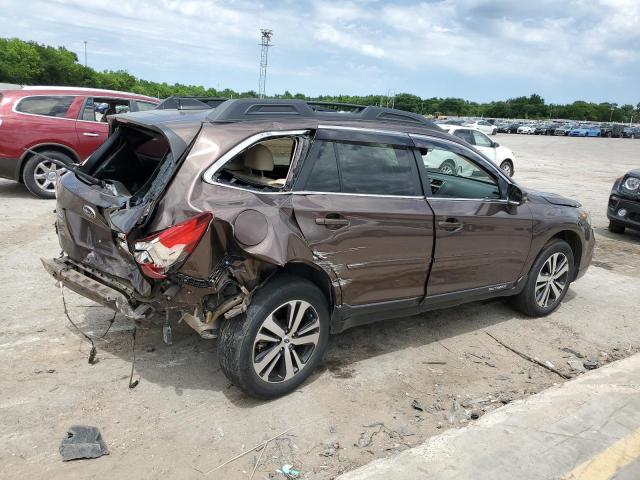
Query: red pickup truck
(65,123)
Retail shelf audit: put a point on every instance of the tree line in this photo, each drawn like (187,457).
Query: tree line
(31,63)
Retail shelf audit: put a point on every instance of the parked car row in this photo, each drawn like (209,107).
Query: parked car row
(569,129)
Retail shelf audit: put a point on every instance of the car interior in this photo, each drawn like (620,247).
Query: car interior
(264,165)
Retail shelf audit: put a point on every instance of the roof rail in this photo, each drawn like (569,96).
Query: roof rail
(247,109)
(185,102)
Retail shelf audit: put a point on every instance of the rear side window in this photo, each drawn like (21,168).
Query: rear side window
(324,175)
(47,105)
(376,169)
(465,135)
(373,169)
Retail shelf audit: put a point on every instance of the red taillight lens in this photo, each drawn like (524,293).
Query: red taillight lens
(158,253)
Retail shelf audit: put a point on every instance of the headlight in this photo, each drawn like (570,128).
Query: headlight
(632,183)
(585,216)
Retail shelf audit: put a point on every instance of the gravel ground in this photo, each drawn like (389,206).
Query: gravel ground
(382,388)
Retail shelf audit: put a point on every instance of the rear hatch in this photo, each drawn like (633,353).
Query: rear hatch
(96,223)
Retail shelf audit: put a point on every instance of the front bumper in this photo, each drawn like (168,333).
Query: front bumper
(72,277)
(632,217)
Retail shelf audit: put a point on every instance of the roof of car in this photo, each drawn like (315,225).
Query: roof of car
(45,90)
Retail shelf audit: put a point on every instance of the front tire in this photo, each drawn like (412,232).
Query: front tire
(616,227)
(548,280)
(39,174)
(507,167)
(271,349)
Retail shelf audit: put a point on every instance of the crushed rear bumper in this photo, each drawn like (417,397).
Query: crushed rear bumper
(75,279)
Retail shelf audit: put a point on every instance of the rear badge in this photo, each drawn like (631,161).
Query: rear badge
(89,212)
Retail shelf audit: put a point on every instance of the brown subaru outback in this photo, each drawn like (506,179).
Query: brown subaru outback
(270,224)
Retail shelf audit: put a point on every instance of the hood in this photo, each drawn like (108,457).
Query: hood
(552,198)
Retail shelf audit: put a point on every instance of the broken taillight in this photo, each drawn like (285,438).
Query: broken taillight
(158,253)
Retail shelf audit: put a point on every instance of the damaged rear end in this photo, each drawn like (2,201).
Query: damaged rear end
(108,254)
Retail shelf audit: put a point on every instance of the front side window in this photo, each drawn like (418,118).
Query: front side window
(481,140)
(47,105)
(453,175)
(98,109)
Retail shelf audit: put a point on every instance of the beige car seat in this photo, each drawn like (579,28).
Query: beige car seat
(257,160)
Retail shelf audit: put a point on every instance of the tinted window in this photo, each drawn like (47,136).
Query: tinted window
(376,169)
(324,174)
(50,106)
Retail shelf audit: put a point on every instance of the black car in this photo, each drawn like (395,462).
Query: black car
(615,130)
(546,128)
(631,132)
(624,203)
(513,127)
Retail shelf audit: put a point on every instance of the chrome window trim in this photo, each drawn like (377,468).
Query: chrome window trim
(364,129)
(207,176)
(19,101)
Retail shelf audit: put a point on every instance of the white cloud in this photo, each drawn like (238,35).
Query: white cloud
(538,43)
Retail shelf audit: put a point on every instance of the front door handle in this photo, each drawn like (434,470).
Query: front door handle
(331,221)
(91,134)
(451,225)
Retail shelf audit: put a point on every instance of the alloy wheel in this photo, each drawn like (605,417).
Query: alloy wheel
(552,280)
(506,168)
(45,175)
(286,341)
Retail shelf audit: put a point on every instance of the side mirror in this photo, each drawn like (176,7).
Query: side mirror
(515,195)
(495,145)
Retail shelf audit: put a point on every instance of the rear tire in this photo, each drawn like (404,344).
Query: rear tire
(548,280)
(259,350)
(39,174)
(616,227)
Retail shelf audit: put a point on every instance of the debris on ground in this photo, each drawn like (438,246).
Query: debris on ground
(289,471)
(576,365)
(572,352)
(475,414)
(417,406)
(330,450)
(548,365)
(82,442)
(591,364)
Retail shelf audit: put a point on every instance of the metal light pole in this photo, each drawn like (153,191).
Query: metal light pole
(265,43)
(85,53)
(611,116)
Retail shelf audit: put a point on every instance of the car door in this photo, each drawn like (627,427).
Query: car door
(481,241)
(360,206)
(91,132)
(92,127)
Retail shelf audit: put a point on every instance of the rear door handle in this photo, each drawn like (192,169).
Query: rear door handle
(90,134)
(451,225)
(332,222)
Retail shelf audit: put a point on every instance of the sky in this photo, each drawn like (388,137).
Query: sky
(481,50)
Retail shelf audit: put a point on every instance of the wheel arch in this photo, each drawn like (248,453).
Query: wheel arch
(574,241)
(42,147)
(316,276)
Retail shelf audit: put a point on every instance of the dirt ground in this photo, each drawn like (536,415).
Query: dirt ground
(381,388)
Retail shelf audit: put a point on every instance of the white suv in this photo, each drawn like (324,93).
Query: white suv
(497,153)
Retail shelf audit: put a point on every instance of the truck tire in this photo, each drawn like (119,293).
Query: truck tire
(272,348)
